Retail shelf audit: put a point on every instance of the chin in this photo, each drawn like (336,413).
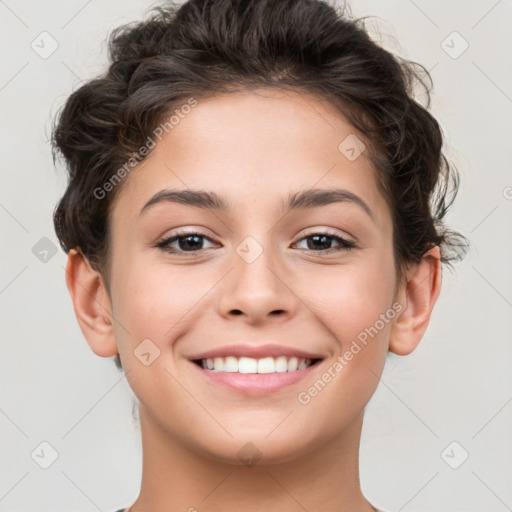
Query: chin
(257,450)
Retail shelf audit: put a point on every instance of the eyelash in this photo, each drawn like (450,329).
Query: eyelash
(345,245)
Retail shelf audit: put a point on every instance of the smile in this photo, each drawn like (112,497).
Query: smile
(255,370)
(233,364)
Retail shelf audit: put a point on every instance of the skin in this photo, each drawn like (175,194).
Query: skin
(253,148)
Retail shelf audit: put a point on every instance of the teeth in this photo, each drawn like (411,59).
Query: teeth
(233,364)
(302,365)
(230,364)
(292,364)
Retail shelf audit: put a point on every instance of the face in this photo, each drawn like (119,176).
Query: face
(270,277)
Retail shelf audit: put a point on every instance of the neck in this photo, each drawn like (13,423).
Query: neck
(175,477)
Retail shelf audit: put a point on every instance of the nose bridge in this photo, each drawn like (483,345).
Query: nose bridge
(253,262)
(256,287)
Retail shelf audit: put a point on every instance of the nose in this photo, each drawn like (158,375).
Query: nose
(258,290)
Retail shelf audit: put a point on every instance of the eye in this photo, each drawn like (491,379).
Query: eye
(186,242)
(193,242)
(321,242)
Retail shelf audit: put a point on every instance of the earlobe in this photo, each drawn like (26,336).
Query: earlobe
(418,295)
(91,304)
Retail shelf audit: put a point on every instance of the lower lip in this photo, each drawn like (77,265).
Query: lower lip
(256,384)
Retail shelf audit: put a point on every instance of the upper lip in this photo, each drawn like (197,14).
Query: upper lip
(256,352)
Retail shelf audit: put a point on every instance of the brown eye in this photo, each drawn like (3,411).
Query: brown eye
(186,242)
(322,242)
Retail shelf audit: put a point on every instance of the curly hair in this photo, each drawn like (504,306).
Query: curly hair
(203,48)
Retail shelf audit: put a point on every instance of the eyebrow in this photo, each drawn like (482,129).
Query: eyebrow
(303,199)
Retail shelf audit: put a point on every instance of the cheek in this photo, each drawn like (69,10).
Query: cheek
(154,297)
(351,298)
(353,310)
(155,302)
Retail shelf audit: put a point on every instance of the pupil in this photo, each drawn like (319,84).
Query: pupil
(183,242)
(325,239)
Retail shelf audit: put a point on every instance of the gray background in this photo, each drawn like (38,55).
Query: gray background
(455,387)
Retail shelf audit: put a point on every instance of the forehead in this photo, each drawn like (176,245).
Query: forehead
(269,142)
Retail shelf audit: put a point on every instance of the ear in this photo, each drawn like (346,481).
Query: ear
(417,294)
(91,304)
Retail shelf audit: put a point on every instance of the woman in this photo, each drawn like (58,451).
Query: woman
(253,220)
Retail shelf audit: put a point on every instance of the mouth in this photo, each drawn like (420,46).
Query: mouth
(255,370)
(250,365)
